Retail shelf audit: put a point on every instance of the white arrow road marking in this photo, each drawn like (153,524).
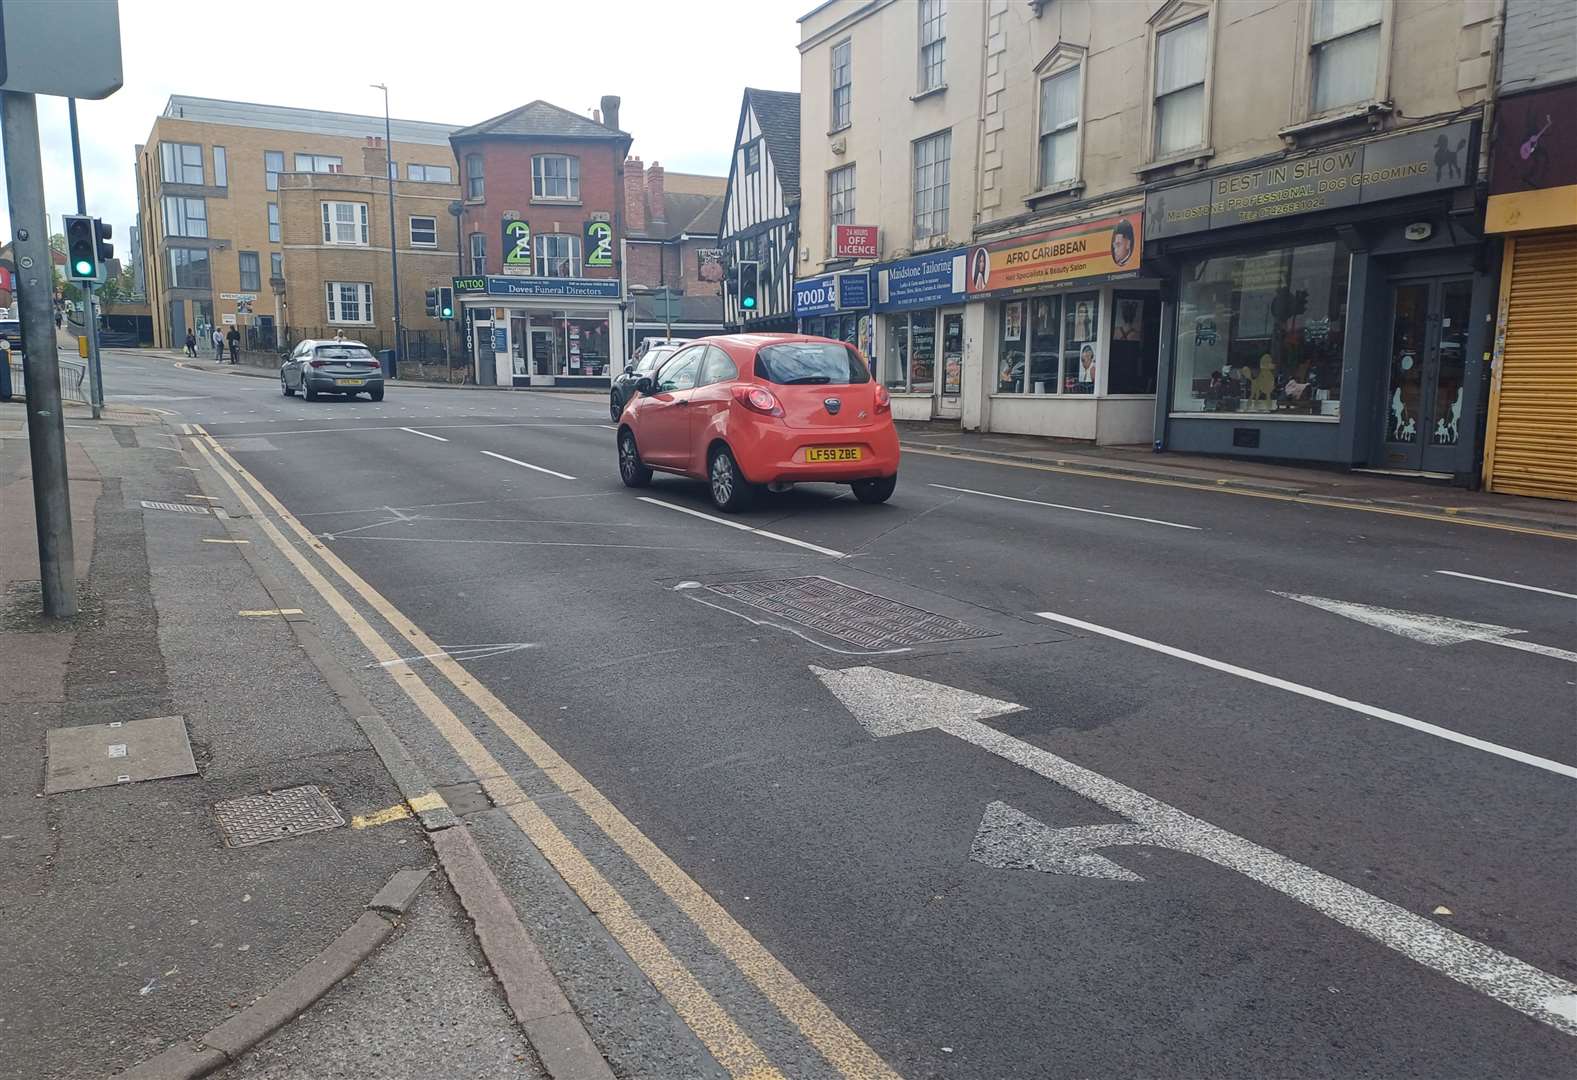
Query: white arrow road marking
(1508,584)
(1429,629)
(1010,839)
(1472,963)
(1522,756)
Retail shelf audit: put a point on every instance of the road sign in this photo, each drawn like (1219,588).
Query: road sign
(68,50)
(227,319)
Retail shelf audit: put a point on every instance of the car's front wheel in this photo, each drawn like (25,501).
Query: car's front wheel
(731,492)
(615,405)
(284,388)
(632,470)
(876,491)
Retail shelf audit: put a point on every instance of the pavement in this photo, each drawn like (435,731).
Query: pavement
(1038,769)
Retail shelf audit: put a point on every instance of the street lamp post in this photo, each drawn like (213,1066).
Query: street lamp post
(394,255)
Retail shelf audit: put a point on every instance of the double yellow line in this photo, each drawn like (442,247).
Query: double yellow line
(728,1043)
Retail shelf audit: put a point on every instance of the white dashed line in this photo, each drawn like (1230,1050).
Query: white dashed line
(528,465)
(831,552)
(423,434)
(1062,506)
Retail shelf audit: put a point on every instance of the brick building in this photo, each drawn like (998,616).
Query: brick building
(673,265)
(543,217)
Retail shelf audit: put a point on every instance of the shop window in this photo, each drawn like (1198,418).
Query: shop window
(1081,322)
(1262,331)
(895,364)
(910,363)
(1134,344)
(1027,353)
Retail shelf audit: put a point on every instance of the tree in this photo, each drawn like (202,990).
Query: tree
(117,288)
(58,242)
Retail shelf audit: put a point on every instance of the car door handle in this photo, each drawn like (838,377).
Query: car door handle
(683,402)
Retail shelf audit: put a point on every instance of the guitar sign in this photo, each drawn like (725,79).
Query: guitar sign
(599,243)
(1531,144)
(517,244)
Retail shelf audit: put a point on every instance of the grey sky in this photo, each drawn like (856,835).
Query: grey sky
(679,65)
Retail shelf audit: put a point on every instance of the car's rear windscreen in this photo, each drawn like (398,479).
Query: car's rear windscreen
(343,352)
(811,363)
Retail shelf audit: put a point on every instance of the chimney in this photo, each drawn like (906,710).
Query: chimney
(654,192)
(610,112)
(596,116)
(374,159)
(634,195)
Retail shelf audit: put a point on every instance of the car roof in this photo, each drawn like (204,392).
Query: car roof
(315,342)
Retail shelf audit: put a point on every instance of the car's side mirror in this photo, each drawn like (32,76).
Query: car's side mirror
(646,387)
(628,368)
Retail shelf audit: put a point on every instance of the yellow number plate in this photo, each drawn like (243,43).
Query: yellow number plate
(833,453)
(350,382)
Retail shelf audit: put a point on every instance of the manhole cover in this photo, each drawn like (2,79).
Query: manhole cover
(275,815)
(180,508)
(847,613)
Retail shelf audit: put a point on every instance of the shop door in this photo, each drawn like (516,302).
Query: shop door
(950,377)
(1423,407)
(542,355)
(486,367)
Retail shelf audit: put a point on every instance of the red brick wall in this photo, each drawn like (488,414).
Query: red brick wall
(506,167)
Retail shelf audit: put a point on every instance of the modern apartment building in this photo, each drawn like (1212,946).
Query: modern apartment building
(214,179)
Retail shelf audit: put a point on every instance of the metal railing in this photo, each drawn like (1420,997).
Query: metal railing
(73,379)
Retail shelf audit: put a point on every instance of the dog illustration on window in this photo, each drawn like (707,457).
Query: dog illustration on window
(1446,164)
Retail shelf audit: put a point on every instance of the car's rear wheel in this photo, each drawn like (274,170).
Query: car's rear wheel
(615,405)
(876,491)
(307,391)
(632,470)
(284,388)
(731,492)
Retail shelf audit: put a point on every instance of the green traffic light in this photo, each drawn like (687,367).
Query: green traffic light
(448,313)
(748,302)
(84,268)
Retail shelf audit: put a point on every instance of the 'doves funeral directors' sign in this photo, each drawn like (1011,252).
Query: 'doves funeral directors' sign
(1436,159)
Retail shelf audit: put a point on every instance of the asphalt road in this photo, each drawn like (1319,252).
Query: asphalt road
(1434,777)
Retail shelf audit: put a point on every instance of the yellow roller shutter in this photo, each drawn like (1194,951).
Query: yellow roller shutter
(1531,445)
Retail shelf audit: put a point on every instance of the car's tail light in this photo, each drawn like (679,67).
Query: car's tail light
(369,363)
(319,363)
(884,400)
(758,399)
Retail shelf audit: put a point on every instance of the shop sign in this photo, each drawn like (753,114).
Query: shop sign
(854,291)
(855,241)
(1102,250)
(599,243)
(1533,166)
(921,282)
(517,246)
(500,339)
(600,288)
(709,264)
(815,296)
(470,284)
(1418,162)
(238,296)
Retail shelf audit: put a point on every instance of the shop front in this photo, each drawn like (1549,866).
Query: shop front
(1328,307)
(1071,329)
(543,331)
(920,334)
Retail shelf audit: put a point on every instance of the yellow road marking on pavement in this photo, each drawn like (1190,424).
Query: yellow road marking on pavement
(271,611)
(431,801)
(1451,517)
(212,540)
(722,1036)
(382,817)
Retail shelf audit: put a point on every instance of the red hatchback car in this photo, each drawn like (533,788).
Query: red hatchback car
(746,411)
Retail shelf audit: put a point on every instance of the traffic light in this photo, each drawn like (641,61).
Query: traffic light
(101,242)
(446,302)
(749,286)
(82,248)
(432,303)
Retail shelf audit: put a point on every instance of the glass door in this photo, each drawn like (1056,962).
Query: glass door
(950,380)
(1424,394)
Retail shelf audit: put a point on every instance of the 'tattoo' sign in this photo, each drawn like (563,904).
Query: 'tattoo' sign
(854,242)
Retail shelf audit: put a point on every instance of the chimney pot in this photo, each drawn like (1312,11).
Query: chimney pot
(610,112)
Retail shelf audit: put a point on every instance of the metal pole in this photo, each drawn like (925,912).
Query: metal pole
(394,257)
(46,433)
(95,372)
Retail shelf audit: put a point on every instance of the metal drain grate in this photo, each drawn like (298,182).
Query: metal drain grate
(853,615)
(180,508)
(275,815)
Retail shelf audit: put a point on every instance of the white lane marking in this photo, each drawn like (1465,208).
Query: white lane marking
(1509,584)
(528,465)
(1063,506)
(1429,629)
(1377,713)
(524,543)
(1493,973)
(461,652)
(423,434)
(806,544)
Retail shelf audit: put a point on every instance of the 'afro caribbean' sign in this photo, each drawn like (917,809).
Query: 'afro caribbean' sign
(1105,249)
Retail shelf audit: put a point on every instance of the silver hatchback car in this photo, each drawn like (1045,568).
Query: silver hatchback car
(331,367)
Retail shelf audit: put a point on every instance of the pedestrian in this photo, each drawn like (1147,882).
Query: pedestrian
(234,338)
(59,320)
(339,335)
(218,340)
(191,344)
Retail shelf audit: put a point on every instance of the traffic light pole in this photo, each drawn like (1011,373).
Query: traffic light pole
(89,306)
(46,433)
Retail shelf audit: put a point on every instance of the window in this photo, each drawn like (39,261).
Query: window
(349,301)
(273,223)
(430,174)
(276,266)
(842,84)
(273,165)
(185,217)
(251,271)
(473,176)
(558,255)
(345,223)
(718,367)
(1028,341)
(181,163)
(424,232)
(1346,52)
(189,268)
(1262,331)
(221,168)
(810,363)
(1133,345)
(1059,128)
(1180,87)
(933,44)
(753,158)
(931,162)
(910,364)
(555,176)
(682,372)
(1081,322)
(324,163)
(478,253)
(840,196)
